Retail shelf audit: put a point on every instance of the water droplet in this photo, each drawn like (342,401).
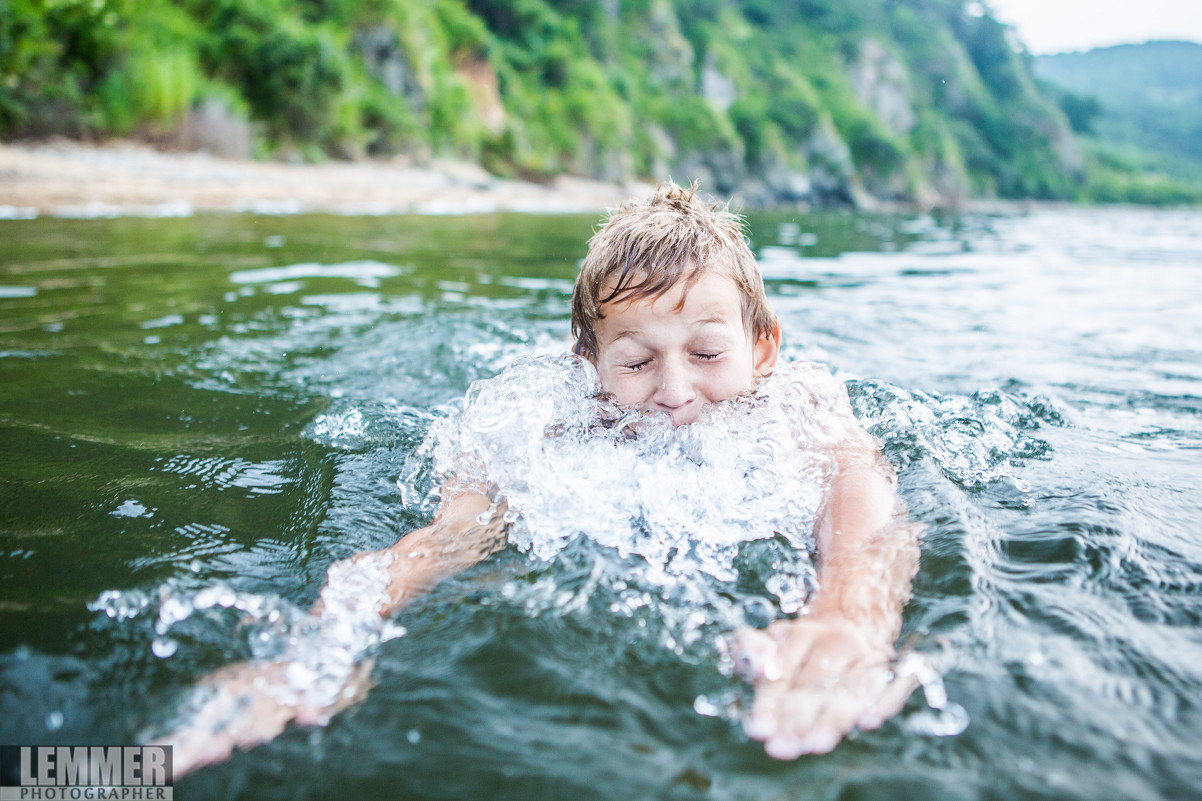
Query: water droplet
(163,647)
(949,721)
(702,705)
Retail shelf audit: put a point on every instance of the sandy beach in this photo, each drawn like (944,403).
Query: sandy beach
(72,179)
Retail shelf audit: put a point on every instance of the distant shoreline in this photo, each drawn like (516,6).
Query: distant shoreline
(71,179)
(123,178)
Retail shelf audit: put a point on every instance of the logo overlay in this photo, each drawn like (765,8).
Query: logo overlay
(91,772)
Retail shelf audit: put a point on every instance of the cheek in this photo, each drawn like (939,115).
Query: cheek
(623,386)
(734,379)
(726,386)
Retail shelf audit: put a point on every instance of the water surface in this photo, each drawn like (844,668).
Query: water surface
(225,403)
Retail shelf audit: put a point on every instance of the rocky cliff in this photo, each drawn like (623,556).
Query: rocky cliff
(818,102)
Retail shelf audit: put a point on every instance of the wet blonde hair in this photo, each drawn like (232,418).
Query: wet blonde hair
(644,249)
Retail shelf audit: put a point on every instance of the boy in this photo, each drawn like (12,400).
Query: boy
(669,307)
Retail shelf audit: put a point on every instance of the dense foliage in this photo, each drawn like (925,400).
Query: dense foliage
(1143,106)
(822,101)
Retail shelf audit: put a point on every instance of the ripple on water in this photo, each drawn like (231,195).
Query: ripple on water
(258,478)
(355,425)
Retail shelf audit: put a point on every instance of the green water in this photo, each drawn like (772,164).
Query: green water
(229,400)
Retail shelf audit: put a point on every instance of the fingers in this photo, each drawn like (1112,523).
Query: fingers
(768,655)
(805,720)
(756,657)
(788,723)
(823,697)
(890,702)
(789,746)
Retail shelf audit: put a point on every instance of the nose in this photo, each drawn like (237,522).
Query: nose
(675,391)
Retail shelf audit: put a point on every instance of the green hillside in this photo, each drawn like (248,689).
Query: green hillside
(1145,104)
(813,101)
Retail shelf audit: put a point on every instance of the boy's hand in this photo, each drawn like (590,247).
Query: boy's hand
(816,678)
(250,703)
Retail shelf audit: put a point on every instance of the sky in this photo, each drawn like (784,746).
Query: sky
(1058,26)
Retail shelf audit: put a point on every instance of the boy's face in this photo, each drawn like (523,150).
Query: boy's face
(658,357)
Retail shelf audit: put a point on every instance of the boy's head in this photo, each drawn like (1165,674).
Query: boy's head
(670,306)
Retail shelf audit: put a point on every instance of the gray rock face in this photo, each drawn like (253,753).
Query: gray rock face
(820,173)
(672,56)
(882,83)
(718,90)
(211,127)
(385,60)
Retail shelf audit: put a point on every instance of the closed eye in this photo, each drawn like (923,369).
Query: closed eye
(637,365)
(707,357)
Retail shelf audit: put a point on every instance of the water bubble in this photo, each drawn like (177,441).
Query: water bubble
(172,610)
(702,705)
(54,721)
(757,612)
(163,647)
(120,604)
(413,736)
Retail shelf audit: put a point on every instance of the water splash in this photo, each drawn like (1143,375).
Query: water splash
(357,425)
(320,650)
(977,440)
(676,503)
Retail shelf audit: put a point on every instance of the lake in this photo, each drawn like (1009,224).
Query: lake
(224,404)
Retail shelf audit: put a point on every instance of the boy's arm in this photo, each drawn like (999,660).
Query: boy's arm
(820,675)
(249,703)
(417,562)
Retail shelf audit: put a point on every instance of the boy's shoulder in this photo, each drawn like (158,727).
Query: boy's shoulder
(802,366)
(812,378)
(818,399)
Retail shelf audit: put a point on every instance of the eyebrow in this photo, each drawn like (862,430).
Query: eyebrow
(625,335)
(631,332)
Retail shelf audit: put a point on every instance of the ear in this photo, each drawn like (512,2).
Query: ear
(580,350)
(766,350)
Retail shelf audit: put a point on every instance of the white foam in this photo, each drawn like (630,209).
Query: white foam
(571,463)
